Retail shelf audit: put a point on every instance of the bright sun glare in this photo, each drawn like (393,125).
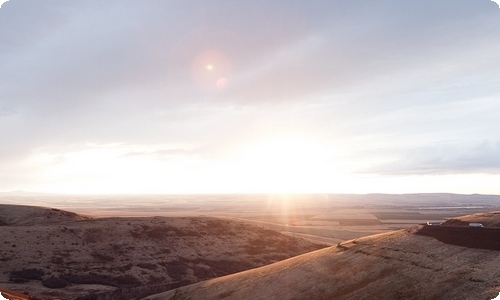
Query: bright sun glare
(285,165)
(278,165)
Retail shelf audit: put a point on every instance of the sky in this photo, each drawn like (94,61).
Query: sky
(271,96)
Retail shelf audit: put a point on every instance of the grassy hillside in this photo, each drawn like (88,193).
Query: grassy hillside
(396,265)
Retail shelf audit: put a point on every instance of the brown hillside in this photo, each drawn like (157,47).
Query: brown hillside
(126,258)
(397,265)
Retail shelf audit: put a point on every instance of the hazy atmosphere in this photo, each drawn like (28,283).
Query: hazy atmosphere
(256,96)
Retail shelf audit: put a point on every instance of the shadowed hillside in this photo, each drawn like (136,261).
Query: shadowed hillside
(456,231)
(126,258)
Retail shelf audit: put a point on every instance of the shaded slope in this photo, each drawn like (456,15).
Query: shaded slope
(480,238)
(124,258)
(456,231)
(397,265)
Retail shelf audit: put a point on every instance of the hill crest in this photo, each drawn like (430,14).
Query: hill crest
(24,215)
(396,265)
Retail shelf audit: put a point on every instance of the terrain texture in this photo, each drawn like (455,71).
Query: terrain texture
(403,264)
(50,253)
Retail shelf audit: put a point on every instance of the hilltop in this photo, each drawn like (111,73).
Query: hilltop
(398,265)
(15,215)
(489,219)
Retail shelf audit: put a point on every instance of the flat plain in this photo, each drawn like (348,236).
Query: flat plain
(323,218)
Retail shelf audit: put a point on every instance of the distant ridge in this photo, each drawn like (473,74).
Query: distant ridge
(35,215)
(23,193)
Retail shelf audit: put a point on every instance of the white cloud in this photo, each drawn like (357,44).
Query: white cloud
(2,2)
(497,2)
(393,76)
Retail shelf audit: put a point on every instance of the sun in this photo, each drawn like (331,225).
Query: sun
(211,70)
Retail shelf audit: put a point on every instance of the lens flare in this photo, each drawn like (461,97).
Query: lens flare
(210,70)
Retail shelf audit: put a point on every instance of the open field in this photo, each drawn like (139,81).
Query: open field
(324,218)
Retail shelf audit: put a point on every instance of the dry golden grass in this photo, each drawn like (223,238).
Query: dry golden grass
(396,265)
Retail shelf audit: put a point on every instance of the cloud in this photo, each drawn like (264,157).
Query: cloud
(394,74)
(164,153)
(92,55)
(481,158)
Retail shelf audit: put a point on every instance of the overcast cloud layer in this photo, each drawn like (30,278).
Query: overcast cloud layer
(102,96)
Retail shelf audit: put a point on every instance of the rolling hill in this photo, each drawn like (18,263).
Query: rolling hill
(403,264)
(49,253)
